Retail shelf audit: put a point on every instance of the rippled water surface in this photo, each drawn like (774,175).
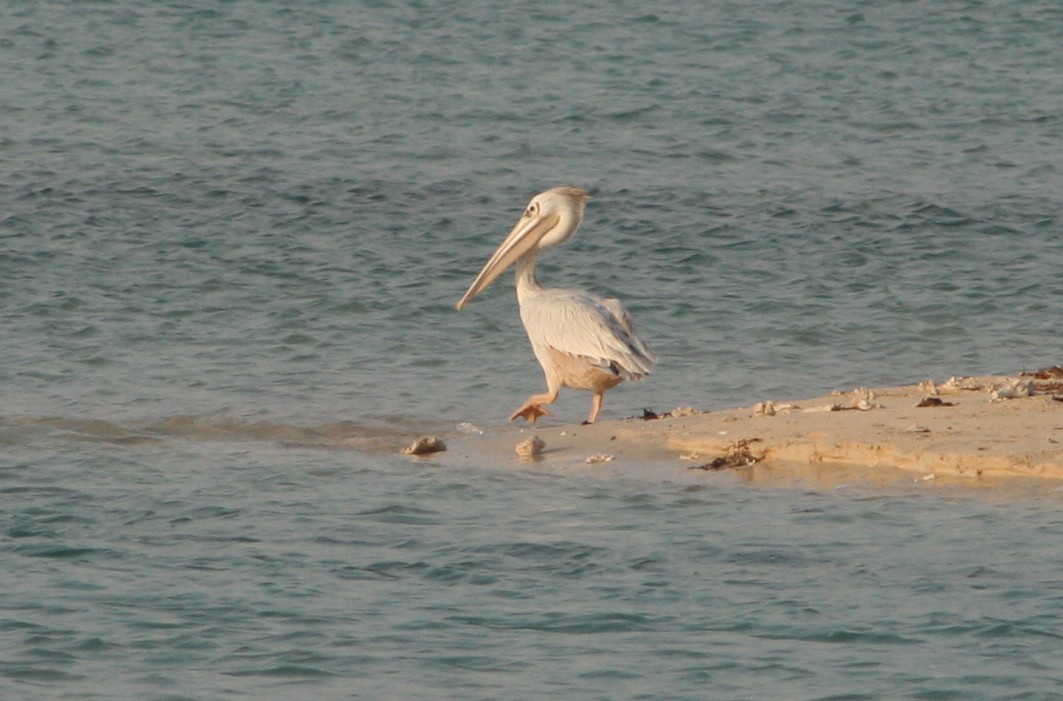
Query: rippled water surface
(231,238)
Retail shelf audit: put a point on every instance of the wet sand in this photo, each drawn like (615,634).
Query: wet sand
(980,428)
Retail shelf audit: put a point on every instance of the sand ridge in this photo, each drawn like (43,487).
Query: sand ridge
(993,426)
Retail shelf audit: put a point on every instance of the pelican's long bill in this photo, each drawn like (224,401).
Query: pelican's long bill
(525,236)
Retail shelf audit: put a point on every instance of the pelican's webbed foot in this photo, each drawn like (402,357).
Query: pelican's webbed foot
(530,412)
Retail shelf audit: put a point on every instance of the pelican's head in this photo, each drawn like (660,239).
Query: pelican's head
(550,218)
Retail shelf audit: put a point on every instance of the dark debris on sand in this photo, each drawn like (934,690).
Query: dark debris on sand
(934,401)
(1047,380)
(738,454)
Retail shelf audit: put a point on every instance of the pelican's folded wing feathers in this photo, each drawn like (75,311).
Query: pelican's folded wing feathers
(582,324)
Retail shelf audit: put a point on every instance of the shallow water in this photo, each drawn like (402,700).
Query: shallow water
(219,570)
(231,237)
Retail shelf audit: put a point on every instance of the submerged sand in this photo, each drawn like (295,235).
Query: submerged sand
(975,427)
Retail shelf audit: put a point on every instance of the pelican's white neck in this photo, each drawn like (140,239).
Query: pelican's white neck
(526,282)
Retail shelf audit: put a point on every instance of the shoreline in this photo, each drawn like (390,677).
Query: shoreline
(1004,426)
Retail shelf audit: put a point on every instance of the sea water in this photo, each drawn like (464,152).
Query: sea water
(231,238)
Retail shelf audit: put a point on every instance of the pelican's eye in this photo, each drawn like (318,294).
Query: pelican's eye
(532,210)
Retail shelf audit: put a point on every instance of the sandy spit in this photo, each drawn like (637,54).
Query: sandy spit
(974,427)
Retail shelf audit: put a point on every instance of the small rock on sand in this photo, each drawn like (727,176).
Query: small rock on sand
(425,446)
(530,447)
(764,408)
(1013,390)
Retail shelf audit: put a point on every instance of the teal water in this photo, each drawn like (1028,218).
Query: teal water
(231,238)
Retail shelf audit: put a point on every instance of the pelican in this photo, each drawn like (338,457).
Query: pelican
(581,340)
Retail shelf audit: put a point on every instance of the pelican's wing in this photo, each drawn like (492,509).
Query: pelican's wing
(579,323)
(624,319)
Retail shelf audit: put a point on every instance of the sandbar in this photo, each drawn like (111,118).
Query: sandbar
(1001,426)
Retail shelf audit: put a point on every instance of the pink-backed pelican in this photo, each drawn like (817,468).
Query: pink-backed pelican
(582,340)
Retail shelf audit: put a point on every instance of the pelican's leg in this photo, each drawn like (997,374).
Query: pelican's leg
(532,408)
(596,406)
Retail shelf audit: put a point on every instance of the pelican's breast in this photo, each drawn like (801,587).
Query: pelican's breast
(578,371)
